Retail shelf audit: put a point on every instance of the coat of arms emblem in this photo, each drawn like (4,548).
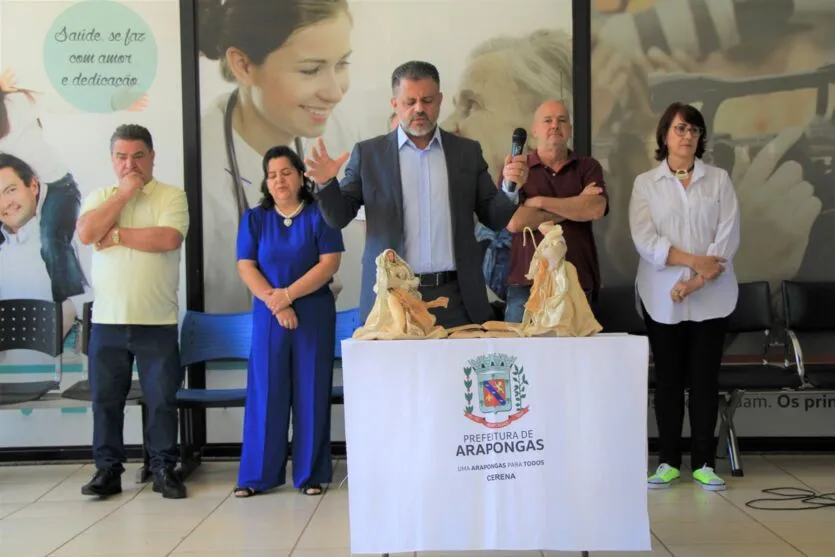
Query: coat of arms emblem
(501,386)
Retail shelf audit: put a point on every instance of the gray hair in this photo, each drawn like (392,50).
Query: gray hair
(540,63)
(132,132)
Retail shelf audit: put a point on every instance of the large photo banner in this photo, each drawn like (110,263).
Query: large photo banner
(289,72)
(71,72)
(762,74)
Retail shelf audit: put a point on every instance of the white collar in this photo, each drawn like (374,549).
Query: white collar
(26,232)
(663,171)
(402,138)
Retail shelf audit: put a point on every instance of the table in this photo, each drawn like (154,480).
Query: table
(497,444)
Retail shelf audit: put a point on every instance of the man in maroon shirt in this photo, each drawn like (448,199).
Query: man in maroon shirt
(561,187)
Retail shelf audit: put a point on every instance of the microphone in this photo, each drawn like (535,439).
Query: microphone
(520,136)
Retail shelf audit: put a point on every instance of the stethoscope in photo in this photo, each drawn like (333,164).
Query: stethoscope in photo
(237,181)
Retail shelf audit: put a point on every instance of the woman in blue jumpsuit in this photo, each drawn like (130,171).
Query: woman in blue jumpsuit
(287,256)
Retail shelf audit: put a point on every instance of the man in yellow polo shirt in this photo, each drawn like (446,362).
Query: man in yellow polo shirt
(137,228)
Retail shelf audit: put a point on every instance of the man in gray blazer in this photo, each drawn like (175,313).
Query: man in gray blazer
(420,187)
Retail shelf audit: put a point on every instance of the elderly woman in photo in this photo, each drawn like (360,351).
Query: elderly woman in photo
(684,219)
(506,79)
(287,256)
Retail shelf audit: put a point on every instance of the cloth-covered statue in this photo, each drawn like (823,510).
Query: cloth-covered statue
(399,311)
(557,305)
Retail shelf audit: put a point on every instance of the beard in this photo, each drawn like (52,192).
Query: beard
(426,129)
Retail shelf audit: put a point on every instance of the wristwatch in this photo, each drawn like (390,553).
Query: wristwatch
(114,237)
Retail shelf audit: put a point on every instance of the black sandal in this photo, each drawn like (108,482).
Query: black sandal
(312,489)
(244,492)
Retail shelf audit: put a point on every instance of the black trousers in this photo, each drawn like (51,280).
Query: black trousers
(687,355)
(455,314)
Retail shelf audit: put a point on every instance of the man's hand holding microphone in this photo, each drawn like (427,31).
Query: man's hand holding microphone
(515,170)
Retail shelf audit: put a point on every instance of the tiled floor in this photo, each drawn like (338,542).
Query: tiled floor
(42,513)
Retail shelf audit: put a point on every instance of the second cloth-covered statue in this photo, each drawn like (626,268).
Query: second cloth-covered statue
(557,304)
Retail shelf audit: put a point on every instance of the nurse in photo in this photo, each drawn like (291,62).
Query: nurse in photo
(289,61)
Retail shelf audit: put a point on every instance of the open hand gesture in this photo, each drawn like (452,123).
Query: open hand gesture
(778,208)
(321,168)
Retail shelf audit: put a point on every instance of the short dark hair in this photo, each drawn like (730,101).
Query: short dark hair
(278,152)
(19,167)
(414,70)
(690,115)
(132,132)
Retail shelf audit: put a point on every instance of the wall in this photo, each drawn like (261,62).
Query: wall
(63,126)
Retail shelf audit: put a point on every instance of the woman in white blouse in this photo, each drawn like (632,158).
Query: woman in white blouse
(684,220)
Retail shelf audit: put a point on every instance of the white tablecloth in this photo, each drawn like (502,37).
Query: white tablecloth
(497,444)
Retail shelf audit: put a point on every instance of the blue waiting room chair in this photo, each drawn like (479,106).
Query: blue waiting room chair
(208,337)
(81,390)
(37,326)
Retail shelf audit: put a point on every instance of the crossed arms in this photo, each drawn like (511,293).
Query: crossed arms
(591,204)
(100,216)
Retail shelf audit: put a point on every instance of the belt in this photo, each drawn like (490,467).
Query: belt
(433,280)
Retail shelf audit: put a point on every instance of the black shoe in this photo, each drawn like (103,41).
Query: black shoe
(168,482)
(103,484)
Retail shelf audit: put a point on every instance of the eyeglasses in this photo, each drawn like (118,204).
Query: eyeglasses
(681,129)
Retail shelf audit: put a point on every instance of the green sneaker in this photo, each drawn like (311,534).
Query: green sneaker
(708,479)
(664,477)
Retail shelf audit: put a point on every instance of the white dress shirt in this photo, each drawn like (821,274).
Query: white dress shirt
(427,222)
(702,219)
(23,273)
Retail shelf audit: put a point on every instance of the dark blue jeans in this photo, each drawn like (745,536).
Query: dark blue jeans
(516,298)
(113,349)
(58,218)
